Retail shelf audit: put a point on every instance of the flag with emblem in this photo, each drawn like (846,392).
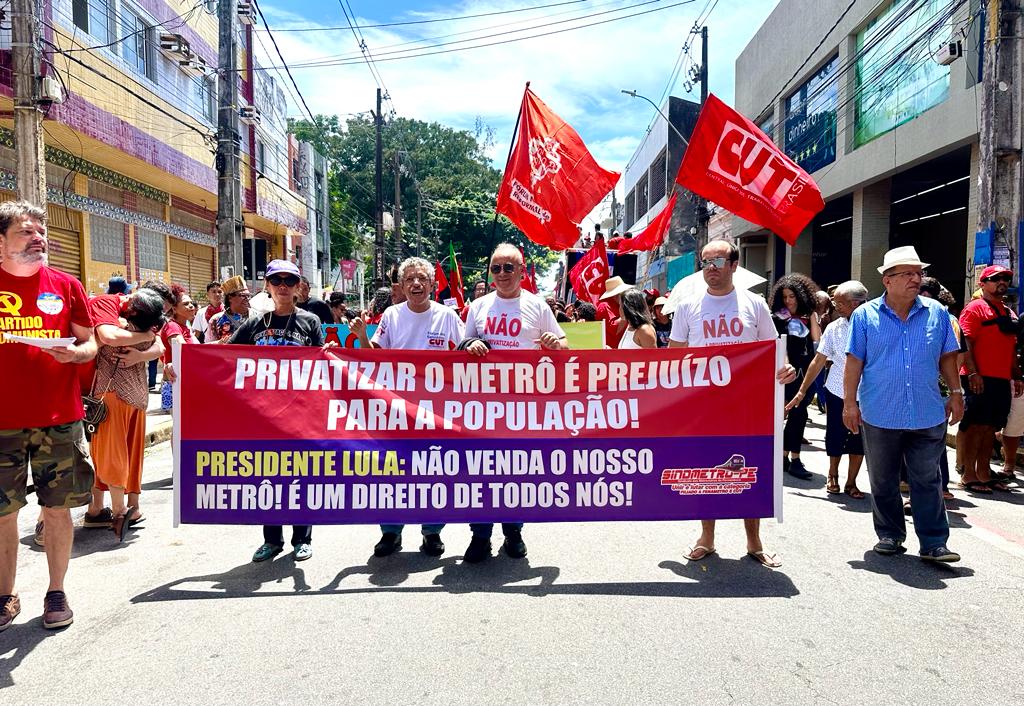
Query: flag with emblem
(589,274)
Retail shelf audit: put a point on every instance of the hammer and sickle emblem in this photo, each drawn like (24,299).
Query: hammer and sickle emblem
(10,303)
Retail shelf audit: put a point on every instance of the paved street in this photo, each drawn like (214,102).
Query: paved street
(599,613)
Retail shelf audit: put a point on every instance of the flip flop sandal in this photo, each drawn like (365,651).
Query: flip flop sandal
(832,486)
(769,560)
(854,492)
(1000,485)
(704,552)
(976,486)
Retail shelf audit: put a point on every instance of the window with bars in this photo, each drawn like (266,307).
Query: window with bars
(151,207)
(630,218)
(152,250)
(642,193)
(94,17)
(658,177)
(106,238)
(106,192)
(137,43)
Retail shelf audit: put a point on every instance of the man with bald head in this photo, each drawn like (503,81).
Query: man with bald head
(508,318)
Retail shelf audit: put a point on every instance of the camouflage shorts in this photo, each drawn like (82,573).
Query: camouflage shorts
(61,469)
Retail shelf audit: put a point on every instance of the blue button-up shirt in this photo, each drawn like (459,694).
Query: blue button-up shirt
(899,388)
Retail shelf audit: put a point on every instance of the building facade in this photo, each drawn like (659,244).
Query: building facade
(887,130)
(649,180)
(130,151)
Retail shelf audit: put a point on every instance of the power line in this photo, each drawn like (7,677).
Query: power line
(162,24)
(284,63)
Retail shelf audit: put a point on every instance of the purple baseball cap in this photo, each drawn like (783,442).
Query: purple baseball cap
(278,267)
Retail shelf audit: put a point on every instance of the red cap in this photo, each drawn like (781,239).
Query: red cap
(993,270)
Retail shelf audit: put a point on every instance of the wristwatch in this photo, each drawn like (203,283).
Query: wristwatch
(957,391)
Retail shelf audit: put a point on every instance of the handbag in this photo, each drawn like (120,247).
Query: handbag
(95,407)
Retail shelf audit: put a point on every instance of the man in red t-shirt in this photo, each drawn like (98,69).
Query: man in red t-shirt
(41,423)
(990,329)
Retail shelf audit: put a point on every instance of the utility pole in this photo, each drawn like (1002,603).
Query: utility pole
(1000,193)
(229,182)
(26,16)
(702,204)
(398,205)
(419,224)
(379,261)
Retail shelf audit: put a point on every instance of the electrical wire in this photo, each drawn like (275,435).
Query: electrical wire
(184,17)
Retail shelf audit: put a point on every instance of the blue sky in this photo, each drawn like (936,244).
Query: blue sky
(579,73)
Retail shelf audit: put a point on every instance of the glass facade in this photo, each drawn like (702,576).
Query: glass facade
(811,119)
(897,77)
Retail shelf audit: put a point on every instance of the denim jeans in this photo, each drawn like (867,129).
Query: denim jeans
(486,529)
(886,451)
(425,529)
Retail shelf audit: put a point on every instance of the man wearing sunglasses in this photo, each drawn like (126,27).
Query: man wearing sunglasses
(990,329)
(508,318)
(725,315)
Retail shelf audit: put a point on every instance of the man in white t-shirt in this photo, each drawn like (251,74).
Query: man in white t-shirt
(724,315)
(507,319)
(416,324)
(201,324)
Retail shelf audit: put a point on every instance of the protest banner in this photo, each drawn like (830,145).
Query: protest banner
(289,435)
(584,335)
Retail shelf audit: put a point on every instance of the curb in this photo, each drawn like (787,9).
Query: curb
(160,433)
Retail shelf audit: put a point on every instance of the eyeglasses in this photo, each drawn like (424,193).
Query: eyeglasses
(288,280)
(716,262)
(1000,278)
(243,295)
(508,268)
(908,273)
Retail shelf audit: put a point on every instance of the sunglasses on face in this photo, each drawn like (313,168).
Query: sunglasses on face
(716,262)
(507,268)
(288,280)
(1000,278)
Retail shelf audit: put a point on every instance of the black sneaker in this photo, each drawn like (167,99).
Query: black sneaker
(941,555)
(797,470)
(888,547)
(390,542)
(56,611)
(479,549)
(514,545)
(432,545)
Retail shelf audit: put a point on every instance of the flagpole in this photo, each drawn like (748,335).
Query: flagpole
(511,146)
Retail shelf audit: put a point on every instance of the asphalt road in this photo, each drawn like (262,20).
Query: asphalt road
(598,613)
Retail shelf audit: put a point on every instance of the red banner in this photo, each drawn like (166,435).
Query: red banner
(731,162)
(589,274)
(655,232)
(551,181)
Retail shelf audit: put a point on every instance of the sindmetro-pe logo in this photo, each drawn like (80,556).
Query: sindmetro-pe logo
(748,161)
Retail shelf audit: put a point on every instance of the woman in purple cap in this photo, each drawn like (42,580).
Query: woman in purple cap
(286,325)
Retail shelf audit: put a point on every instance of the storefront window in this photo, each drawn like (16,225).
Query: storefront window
(811,119)
(897,78)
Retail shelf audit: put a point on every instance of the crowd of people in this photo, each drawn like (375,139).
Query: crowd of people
(890,373)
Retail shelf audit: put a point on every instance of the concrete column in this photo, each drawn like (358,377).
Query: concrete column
(871,207)
(972,221)
(798,257)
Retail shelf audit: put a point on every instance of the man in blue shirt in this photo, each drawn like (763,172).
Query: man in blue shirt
(898,345)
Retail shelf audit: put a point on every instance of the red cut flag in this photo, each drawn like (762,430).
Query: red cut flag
(731,162)
(654,234)
(455,277)
(551,180)
(442,281)
(589,274)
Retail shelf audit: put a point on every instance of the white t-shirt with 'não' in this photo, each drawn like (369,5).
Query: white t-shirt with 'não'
(710,320)
(437,328)
(511,324)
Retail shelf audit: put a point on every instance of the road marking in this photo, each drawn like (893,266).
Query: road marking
(996,536)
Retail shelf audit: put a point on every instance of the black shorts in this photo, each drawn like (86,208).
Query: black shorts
(991,408)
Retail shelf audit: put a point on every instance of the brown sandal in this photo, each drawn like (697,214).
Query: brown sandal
(854,492)
(832,485)
(121,523)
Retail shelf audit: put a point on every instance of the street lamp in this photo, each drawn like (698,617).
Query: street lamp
(634,94)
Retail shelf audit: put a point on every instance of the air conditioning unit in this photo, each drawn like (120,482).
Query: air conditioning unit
(246,13)
(175,46)
(250,115)
(50,90)
(950,52)
(194,65)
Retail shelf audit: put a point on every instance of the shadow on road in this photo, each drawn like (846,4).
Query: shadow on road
(90,541)
(843,501)
(18,641)
(910,570)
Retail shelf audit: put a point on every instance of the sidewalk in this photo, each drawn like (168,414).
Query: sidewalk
(158,423)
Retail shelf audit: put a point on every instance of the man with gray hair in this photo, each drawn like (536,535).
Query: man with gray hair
(41,428)
(832,349)
(418,323)
(899,343)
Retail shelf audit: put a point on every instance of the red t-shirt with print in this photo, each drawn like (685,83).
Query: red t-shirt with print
(38,391)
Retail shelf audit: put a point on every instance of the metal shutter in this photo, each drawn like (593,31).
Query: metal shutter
(179,263)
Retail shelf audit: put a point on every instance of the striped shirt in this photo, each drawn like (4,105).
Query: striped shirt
(898,388)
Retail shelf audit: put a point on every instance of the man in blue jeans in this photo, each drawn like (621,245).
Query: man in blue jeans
(898,345)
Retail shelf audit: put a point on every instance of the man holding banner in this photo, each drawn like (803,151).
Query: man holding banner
(508,319)
(417,324)
(725,315)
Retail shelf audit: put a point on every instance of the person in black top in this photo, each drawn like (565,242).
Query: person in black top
(662,321)
(287,325)
(312,304)
(793,306)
